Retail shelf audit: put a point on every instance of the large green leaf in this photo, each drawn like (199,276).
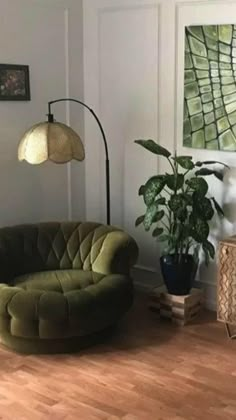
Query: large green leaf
(200,230)
(184,161)
(210,162)
(206,254)
(182,214)
(139,220)
(152,188)
(165,237)
(176,202)
(202,207)
(205,172)
(153,147)
(219,210)
(196,251)
(174,182)
(161,201)
(209,247)
(159,215)
(198,184)
(157,232)
(178,206)
(152,215)
(141,190)
(187,198)
(219,175)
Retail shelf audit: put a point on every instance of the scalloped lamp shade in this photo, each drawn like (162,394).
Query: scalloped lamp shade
(50,141)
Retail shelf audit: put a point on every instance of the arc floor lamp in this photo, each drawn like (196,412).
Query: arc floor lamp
(59,143)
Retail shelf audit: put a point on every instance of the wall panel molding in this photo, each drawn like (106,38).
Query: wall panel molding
(93,13)
(100,14)
(67,90)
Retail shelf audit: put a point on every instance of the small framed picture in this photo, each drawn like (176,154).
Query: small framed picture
(14,82)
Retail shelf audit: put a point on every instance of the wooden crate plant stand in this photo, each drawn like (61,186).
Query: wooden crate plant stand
(179,309)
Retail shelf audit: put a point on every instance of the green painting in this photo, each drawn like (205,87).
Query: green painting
(210,87)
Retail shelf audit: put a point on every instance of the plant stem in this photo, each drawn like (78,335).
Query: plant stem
(165,225)
(185,173)
(171,164)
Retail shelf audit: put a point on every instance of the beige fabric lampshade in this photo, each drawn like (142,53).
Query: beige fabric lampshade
(50,141)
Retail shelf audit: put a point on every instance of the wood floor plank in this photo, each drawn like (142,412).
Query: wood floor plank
(148,370)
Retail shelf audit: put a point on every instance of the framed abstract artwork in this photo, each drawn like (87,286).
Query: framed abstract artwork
(210,87)
(14,82)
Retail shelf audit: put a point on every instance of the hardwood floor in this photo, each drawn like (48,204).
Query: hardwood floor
(147,371)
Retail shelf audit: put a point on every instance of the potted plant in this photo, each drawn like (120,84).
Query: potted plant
(179,208)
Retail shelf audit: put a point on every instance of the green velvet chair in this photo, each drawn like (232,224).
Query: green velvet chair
(62,285)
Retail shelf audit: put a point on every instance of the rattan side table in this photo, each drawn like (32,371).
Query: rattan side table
(226,293)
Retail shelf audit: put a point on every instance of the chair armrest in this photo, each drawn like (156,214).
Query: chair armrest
(6,294)
(118,254)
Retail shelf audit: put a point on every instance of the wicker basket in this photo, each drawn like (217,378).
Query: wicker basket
(226,296)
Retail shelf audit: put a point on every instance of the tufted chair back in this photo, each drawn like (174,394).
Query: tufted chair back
(53,246)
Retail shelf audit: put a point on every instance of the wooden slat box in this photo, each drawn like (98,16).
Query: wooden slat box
(179,309)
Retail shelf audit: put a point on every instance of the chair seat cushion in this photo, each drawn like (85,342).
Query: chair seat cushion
(61,281)
(63,303)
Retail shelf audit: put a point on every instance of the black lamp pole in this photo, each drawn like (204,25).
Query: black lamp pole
(51,120)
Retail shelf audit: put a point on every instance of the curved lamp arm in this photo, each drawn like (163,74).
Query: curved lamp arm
(51,120)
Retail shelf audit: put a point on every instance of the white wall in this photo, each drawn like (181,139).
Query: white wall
(133,55)
(192,13)
(46,35)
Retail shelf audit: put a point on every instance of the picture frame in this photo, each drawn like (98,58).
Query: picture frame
(14,82)
(209,87)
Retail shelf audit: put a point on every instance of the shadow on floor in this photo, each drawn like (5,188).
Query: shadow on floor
(140,329)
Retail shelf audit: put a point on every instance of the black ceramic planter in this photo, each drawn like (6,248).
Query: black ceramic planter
(178,274)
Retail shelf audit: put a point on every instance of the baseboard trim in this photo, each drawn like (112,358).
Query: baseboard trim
(145,268)
(145,288)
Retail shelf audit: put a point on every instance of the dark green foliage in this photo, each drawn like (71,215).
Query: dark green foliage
(211,162)
(200,230)
(198,184)
(187,198)
(139,220)
(153,147)
(218,208)
(178,206)
(209,247)
(185,162)
(152,188)
(157,232)
(203,207)
(158,216)
(205,171)
(161,201)
(174,182)
(141,190)
(176,202)
(152,215)
(165,237)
